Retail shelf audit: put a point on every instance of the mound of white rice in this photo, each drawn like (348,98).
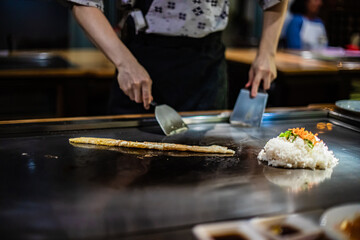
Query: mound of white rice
(280,152)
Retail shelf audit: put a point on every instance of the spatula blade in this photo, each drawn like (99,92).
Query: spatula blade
(169,120)
(249,111)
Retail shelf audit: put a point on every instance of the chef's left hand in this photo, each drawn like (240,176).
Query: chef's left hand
(262,69)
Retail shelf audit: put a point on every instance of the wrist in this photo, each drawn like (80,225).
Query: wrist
(267,49)
(118,65)
(122,59)
(265,54)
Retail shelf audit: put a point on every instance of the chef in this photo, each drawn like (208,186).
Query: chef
(175,55)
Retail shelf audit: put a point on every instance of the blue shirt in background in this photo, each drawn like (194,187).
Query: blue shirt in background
(302,33)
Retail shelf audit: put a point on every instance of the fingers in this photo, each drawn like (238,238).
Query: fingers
(255,78)
(126,88)
(251,78)
(140,93)
(146,95)
(130,94)
(267,82)
(263,69)
(137,92)
(136,85)
(264,76)
(255,85)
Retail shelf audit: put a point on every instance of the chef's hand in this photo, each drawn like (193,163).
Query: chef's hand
(135,82)
(262,69)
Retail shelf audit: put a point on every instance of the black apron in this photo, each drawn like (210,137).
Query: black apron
(188,74)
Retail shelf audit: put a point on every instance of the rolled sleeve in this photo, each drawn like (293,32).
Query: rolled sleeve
(265,4)
(91,3)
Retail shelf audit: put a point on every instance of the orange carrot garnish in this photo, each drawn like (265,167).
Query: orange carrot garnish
(306,135)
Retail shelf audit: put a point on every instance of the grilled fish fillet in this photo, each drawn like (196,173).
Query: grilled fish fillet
(151,145)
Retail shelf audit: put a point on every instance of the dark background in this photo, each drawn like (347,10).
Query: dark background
(32,24)
(46,24)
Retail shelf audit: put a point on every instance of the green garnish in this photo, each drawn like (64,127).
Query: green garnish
(309,143)
(289,134)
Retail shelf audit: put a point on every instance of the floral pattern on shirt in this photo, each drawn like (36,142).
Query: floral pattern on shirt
(192,18)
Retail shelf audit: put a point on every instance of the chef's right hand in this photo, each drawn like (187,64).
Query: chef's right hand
(135,82)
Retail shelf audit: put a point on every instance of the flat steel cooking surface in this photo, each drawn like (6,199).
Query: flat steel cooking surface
(50,188)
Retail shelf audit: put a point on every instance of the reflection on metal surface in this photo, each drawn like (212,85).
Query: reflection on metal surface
(223,117)
(296,180)
(294,115)
(31,165)
(50,156)
(117,171)
(246,154)
(324,126)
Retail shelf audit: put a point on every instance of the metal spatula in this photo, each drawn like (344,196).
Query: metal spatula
(249,111)
(169,120)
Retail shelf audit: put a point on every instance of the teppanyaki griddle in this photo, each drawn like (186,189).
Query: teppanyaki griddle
(52,189)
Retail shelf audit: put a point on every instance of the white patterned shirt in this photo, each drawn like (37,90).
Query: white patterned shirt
(192,18)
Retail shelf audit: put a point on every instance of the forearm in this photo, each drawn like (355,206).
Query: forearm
(133,79)
(99,30)
(263,68)
(273,21)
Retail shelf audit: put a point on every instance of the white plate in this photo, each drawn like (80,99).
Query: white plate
(332,218)
(240,228)
(349,105)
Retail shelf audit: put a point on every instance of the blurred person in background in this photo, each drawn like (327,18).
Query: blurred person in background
(305,30)
(178,57)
